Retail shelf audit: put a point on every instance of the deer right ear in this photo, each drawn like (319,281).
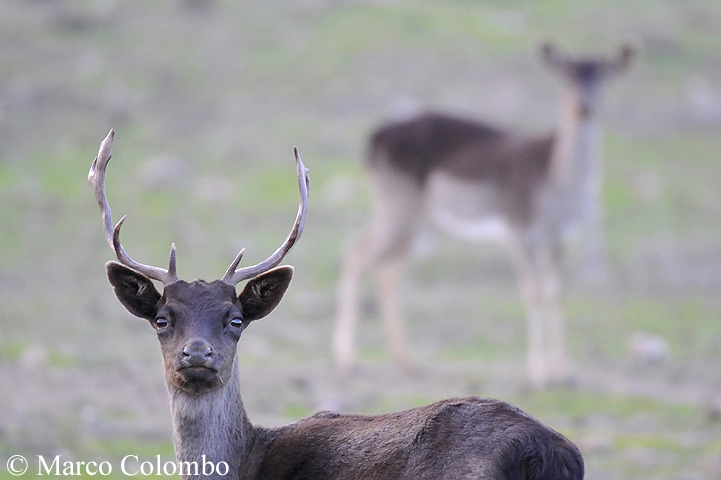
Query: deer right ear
(134,290)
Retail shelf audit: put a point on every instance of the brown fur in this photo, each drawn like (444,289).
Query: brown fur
(451,439)
(468,150)
(419,146)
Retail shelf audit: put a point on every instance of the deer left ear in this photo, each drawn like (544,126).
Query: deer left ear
(134,290)
(263,293)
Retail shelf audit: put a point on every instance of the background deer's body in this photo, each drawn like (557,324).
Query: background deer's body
(198,326)
(476,181)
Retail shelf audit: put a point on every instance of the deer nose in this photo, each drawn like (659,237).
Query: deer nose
(197,350)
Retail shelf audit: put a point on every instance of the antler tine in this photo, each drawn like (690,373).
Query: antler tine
(96,179)
(233,276)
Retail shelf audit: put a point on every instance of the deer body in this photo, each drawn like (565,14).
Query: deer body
(465,438)
(198,326)
(478,182)
(456,438)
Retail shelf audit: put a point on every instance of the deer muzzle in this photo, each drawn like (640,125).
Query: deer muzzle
(197,354)
(196,368)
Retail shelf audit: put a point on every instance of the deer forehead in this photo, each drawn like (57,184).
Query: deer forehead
(588,70)
(200,299)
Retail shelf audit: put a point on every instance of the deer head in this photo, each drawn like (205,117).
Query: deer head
(586,74)
(199,323)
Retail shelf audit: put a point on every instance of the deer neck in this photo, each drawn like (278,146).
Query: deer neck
(213,427)
(575,162)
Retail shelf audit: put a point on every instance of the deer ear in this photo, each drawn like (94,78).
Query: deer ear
(623,58)
(263,293)
(552,55)
(135,291)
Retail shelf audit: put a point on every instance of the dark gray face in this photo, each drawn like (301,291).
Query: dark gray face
(198,327)
(586,73)
(198,324)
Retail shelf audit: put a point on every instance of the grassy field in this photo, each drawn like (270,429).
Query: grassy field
(208,97)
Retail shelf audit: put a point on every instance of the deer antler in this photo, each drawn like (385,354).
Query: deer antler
(233,276)
(96,179)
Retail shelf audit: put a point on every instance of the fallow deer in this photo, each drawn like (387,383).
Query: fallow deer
(198,325)
(476,181)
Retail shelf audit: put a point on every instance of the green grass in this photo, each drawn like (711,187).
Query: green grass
(576,405)
(11,351)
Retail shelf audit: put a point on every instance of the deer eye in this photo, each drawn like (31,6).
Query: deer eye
(161,322)
(236,322)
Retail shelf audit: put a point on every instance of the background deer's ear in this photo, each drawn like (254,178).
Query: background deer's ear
(623,58)
(552,55)
(134,290)
(263,293)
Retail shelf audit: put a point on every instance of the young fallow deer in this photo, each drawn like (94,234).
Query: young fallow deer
(476,182)
(199,324)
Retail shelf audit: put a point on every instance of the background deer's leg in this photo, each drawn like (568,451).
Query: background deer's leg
(527,264)
(389,279)
(396,205)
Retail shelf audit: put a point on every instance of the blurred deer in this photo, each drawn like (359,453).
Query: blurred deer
(198,325)
(478,182)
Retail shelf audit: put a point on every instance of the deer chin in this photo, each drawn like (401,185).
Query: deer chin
(196,379)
